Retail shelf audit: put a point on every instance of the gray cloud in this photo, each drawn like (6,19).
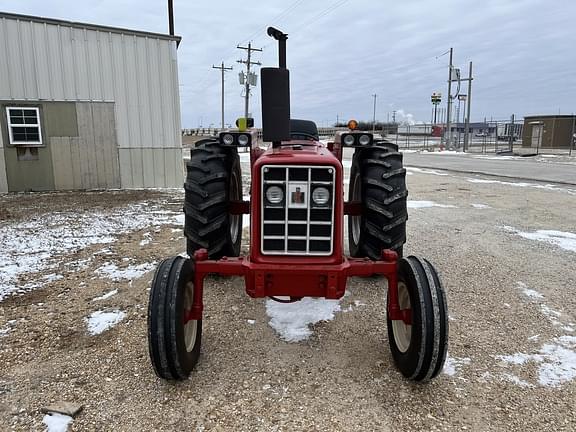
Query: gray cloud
(523,52)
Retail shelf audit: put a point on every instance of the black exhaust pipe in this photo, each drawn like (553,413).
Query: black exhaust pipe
(275,86)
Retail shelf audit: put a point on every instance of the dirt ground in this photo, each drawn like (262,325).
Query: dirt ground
(512,329)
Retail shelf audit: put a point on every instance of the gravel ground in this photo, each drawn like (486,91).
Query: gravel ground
(342,377)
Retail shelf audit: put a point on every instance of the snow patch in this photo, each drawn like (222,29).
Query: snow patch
(516,380)
(564,240)
(291,320)
(480,206)
(30,246)
(557,361)
(101,321)
(251,321)
(529,292)
(426,171)
(106,296)
(56,422)
(427,204)
(111,271)
(452,364)
(522,184)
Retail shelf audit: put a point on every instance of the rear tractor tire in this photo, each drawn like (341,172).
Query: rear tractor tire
(378,180)
(173,342)
(419,347)
(213,179)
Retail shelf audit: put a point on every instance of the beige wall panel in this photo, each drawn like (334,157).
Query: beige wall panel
(3,179)
(75,147)
(137,168)
(148,168)
(62,163)
(88,162)
(175,168)
(159,171)
(124,156)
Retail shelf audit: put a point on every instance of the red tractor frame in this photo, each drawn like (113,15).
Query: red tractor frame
(297,214)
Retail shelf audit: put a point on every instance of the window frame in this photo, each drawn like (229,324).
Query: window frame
(38,125)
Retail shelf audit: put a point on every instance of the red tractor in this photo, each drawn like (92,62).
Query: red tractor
(297,214)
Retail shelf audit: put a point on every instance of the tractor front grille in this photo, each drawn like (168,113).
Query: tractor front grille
(297,225)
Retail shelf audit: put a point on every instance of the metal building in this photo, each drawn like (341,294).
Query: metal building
(85,106)
(549,131)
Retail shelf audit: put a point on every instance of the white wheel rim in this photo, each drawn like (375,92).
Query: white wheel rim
(191,327)
(356,220)
(402,331)
(234,219)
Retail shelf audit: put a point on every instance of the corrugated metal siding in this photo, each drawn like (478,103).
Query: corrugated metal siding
(140,74)
(89,161)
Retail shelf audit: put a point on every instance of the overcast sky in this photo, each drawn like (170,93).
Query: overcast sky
(340,52)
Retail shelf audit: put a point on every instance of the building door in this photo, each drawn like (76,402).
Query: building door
(536,136)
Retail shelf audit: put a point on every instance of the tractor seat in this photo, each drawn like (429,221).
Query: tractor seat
(303,130)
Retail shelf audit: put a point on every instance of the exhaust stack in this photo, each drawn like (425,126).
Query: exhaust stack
(276,95)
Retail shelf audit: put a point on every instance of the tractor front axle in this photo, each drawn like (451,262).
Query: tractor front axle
(315,280)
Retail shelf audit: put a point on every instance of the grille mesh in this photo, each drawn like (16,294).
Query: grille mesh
(297,226)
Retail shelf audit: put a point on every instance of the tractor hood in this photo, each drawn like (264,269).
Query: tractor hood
(298,152)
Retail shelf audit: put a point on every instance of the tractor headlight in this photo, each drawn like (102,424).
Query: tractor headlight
(364,140)
(349,140)
(274,194)
(228,139)
(243,140)
(321,196)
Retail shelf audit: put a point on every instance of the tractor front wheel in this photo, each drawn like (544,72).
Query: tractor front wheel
(173,340)
(419,343)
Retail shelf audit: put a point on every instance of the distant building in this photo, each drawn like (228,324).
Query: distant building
(84,106)
(549,131)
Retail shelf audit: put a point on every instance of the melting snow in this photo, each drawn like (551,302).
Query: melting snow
(480,206)
(291,320)
(529,292)
(557,361)
(427,204)
(452,364)
(56,422)
(426,171)
(29,246)
(106,296)
(522,184)
(111,271)
(564,240)
(101,321)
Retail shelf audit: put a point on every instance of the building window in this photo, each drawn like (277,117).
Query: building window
(24,125)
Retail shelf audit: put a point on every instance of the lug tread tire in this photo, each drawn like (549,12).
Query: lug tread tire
(384,197)
(206,207)
(426,353)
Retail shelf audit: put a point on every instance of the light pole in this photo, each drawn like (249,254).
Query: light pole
(374,114)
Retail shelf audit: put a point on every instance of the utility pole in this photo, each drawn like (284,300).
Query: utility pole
(394,117)
(467,131)
(223,69)
(449,104)
(374,114)
(248,63)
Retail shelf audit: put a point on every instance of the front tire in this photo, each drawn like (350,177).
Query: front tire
(419,348)
(174,345)
(378,180)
